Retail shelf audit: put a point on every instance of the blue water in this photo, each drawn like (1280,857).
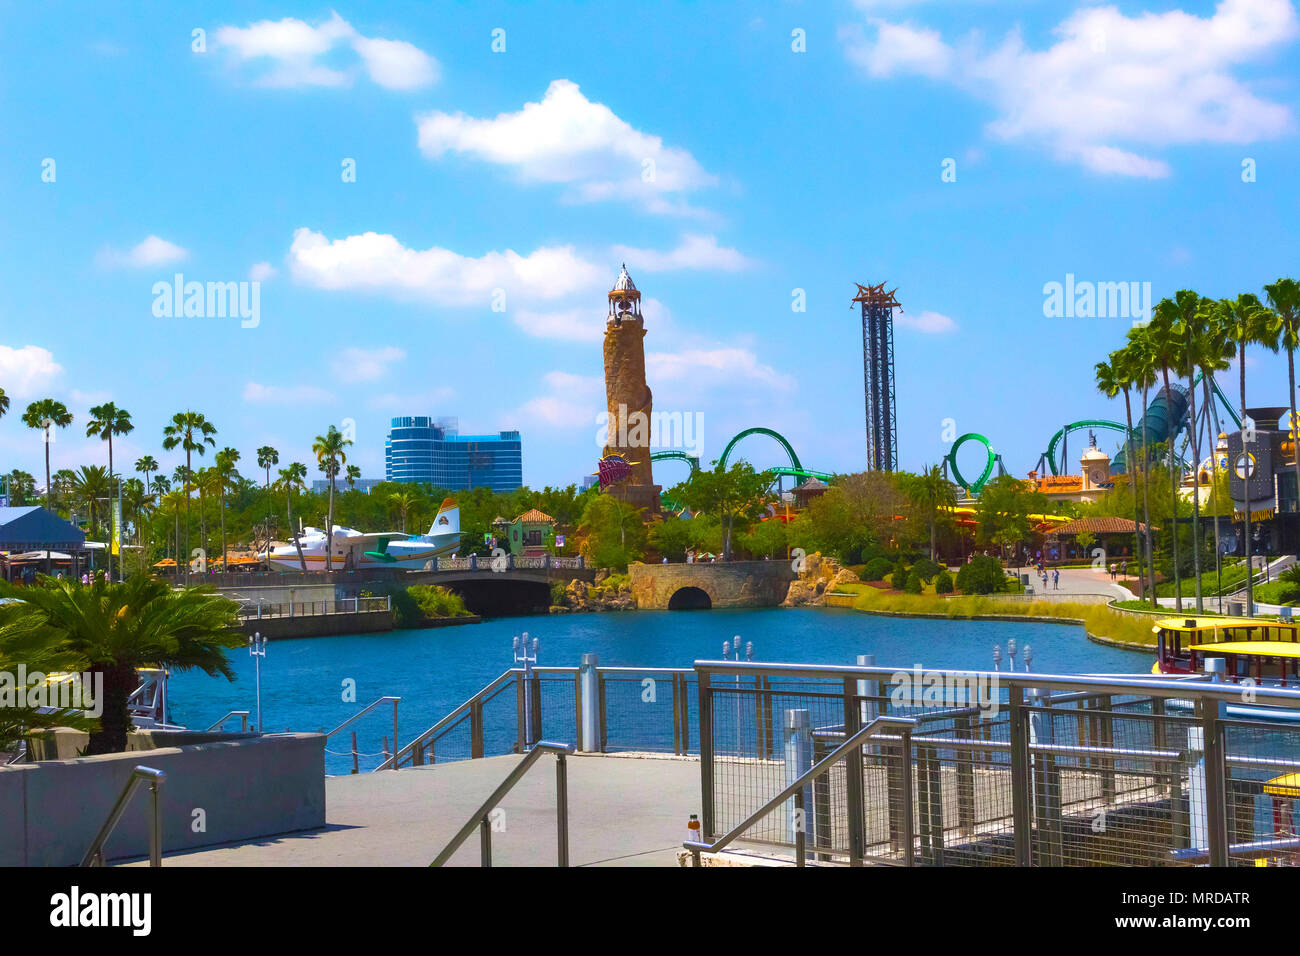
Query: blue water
(435,670)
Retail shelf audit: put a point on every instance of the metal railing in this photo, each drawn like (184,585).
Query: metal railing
(1005,769)
(243,721)
(365,710)
(605,709)
(358,605)
(140,775)
(482,817)
(850,749)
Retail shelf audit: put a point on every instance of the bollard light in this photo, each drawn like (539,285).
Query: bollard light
(997,657)
(749,650)
(726,650)
(1029,656)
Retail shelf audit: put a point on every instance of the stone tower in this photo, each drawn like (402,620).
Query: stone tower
(627,395)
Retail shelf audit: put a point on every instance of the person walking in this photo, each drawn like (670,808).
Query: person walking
(1123,568)
(1056,579)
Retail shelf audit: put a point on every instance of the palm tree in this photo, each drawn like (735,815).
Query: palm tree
(160,485)
(45,414)
(90,486)
(1111,380)
(1190,329)
(931,493)
(146,465)
(1140,373)
(1246,321)
(4,403)
(1167,353)
(331,456)
(353,473)
(106,421)
(291,480)
(404,501)
(113,629)
(1284,299)
(172,503)
(191,432)
(63,480)
(225,471)
(21,486)
(1214,350)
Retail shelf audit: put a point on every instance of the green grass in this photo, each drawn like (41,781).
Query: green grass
(1098,619)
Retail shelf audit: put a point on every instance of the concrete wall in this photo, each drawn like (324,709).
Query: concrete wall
(248,788)
(728,584)
(318,625)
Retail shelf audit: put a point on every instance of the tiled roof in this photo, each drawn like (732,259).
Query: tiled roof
(1108,525)
(533,516)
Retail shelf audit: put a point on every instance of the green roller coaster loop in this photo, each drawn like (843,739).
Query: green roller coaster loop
(800,473)
(1074,427)
(975,486)
(666,501)
(789,450)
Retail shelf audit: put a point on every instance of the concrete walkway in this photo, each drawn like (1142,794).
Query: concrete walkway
(1076,581)
(623,811)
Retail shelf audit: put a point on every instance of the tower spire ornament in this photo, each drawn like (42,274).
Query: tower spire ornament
(628,397)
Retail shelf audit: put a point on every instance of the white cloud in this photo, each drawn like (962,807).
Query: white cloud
(375,262)
(1110,82)
(152,251)
(261,271)
(933,323)
(365,365)
(286,394)
(705,367)
(570,401)
(569,325)
(417,403)
(26,372)
(693,252)
(566,138)
(295,50)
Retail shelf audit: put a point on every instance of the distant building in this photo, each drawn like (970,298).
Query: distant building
(322,485)
(420,449)
(588,481)
(527,534)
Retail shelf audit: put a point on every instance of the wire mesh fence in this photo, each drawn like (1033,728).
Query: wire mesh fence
(1000,769)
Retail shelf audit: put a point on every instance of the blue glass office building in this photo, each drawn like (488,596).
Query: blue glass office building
(421,449)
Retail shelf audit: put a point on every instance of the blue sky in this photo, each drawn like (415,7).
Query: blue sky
(1103,141)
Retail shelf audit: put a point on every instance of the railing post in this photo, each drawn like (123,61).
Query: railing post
(853,773)
(1046,783)
(966,777)
(476,728)
(1216,797)
(589,737)
(521,711)
(707,823)
(396,748)
(600,711)
(677,715)
(905,795)
(485,841)
(355,766)
(562,808)
(1020,805)
(155,828)
(798,761)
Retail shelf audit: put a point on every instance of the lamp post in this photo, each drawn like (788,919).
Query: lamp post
(525,653)
(257,650)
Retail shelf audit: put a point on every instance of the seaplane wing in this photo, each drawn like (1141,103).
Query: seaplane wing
(375,549)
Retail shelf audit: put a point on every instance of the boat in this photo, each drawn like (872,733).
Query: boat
(1257,652)
(379,549)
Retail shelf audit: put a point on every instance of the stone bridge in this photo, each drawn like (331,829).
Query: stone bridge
(676,587)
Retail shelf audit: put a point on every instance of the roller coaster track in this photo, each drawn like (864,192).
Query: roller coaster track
(975,486)
(789,450)
(1074,427)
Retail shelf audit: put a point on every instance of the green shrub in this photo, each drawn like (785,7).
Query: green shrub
(559,590)
(913,585)
(943,583)
(983,574)
(927,569)
(898,580)
(406,610)
(434,601)
(875,569)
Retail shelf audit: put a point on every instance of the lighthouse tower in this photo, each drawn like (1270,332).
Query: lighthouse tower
(627,394)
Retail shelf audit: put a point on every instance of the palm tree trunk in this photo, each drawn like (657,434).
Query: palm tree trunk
(188,466)
(1146,505)
(329,531)
(302,561)
(1295,430)
(1250,589)
(115,722)
(1196,489)
(1214,472)
(1128,458)
(1173,487)
(47,468)
(223,529)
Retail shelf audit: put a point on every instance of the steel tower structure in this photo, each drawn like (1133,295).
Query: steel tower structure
(878,374)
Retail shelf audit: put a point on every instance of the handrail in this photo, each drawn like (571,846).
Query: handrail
(480,817)
(904,724)
(367,709)
(451,718)
(141,774)
(243,721)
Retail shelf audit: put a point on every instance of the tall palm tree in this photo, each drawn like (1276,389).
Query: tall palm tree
(291,480)
(191,432)
(160,485)
(21,485)
(1284,299)
(1213,353)
(1190,329)
(1247,322)
(1167,352)
(90,486)
(106,421)
(353,473)
(404,501)
(1140,373)
(46,413)
(146,465)
(4,403)
(63,481)
(1111,380)
(931,493)
(331,455)
(172,502)
(113,629)
(225,472)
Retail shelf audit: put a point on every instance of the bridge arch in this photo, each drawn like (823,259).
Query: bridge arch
(690,598)
(789,449)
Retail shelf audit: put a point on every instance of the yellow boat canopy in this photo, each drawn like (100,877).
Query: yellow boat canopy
(1287,785)
(1186,625)
(1254,648)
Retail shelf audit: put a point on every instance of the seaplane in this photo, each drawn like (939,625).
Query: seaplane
(378,549)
